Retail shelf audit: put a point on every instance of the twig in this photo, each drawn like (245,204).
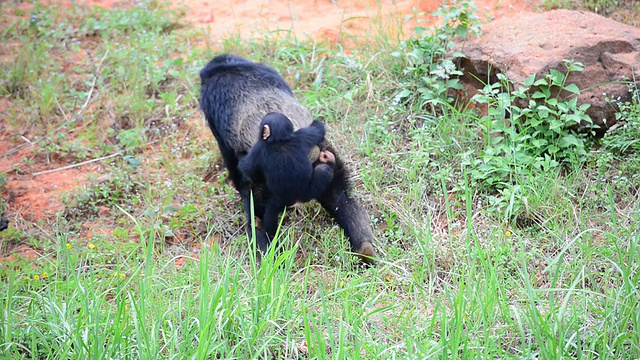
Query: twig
(74,118)
(77,165)
(64,114)
(93,85)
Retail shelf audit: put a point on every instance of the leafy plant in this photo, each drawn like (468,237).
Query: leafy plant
(132,139)
(429,56)
(625,138)
(549,131)
(120,189)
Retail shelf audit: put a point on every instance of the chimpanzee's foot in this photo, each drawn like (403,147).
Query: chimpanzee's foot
(365,253)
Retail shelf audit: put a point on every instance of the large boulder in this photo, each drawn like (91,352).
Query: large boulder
(537,42)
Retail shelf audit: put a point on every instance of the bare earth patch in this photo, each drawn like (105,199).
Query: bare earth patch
(326,19)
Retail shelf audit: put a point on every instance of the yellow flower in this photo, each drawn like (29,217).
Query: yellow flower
(68,246)
(91,246)
(508,233)
(122,275)
(45,275)
(36,277)
(341,283)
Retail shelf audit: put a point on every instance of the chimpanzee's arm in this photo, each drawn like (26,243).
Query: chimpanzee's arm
(250,165)
(320,179)
(312,134)
(350,215)
(272,211)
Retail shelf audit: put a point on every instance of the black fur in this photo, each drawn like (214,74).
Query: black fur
(282,160)
(4,222)
(236,95)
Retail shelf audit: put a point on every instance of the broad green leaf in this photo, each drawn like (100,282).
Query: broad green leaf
(572,88)
(462,31)
(541,81)
(543,112)
(557,78)
(169,210)
(404,93)
(538,95)
(539,143)
(573,103)
(569,140)
(562,106)
(555,124)
(530,80)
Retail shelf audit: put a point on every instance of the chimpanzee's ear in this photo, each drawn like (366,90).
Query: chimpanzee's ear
(266,132)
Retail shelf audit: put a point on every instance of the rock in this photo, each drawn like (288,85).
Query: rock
(537,42)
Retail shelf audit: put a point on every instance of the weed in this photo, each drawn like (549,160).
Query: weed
(429,56)
(549,131)
(625,137)
(119,189)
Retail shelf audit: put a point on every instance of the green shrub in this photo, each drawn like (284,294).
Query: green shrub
(429,57)
(549,131)
(530,132)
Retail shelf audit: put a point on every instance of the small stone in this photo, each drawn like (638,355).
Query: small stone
(104,211)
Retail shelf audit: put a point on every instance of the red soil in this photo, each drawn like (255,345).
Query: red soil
(326,19)
(30,197)
(329,19)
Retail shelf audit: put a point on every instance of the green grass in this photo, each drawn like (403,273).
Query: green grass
(626,11)
(168,272)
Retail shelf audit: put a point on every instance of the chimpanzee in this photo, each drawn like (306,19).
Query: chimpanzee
(236,95)
(281,158)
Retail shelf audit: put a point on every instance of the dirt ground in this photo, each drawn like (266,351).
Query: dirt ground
(328,19)
(319,19)
(32,196)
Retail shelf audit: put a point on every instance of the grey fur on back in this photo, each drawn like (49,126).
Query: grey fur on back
(253,106)
(239,93)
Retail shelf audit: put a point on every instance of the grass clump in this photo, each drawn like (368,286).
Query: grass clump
(430,58)
(625,139)
(621,10)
